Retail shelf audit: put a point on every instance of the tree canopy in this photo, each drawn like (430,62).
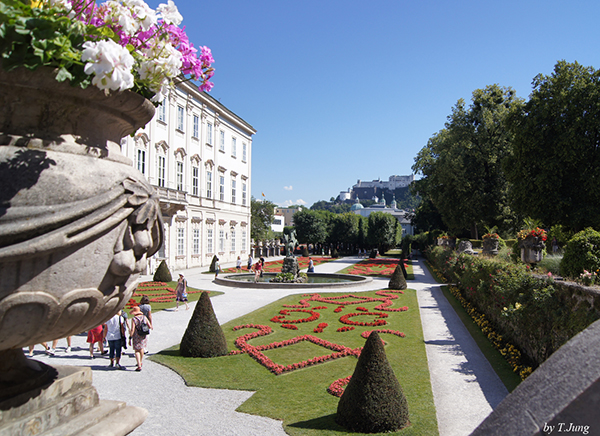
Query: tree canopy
(462,164)
(262,218)
(554,167)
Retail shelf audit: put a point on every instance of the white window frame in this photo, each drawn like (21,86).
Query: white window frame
(222,187)
(196,241)
(179,176)
(162,111)
(180,241)
(234,147)
(161,170)
(244,152)
(221,241)
(209,241)
(244,239)
(141,161)
(232,234)
(195,180)
(180,117)
(209,133)
(208,184)
(244,194)
(196,126)
(222,141)
(233,189)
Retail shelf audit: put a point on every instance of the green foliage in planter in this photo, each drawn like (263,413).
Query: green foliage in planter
(398,279)
(373,401)
(334,253)
(162,273)
(305,252)
(203,336)
(582,253)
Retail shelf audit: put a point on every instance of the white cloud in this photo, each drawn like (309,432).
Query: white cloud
(288,188)
(288,203)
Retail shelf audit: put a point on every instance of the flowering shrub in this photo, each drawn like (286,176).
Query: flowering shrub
(117,45)
(587,278)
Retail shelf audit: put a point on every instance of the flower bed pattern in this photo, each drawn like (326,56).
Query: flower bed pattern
(257,352)
(375,267)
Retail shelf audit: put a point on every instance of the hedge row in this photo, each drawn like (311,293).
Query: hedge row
(535,313)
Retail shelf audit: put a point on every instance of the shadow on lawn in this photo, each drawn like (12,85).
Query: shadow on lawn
(326,422)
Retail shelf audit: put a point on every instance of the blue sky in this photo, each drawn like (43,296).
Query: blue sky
(347,90)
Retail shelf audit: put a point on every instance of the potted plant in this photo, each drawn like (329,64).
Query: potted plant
(532,244)
(78,221)
(491,242)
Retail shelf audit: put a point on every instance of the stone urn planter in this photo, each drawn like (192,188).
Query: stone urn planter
(532,249)
(490,246)
(77,221)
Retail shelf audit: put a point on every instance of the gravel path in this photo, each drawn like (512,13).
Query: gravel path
(465,387)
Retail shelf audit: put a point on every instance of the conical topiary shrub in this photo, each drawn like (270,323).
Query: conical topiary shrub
(203,336)
(162,273)
(373,401)
(213,264)
(398,280)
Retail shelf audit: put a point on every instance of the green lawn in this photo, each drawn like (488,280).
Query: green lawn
(299,397)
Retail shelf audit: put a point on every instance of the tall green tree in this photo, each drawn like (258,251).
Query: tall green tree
(262,218)
(462,164)
(554,165)
(311,227)
(383,231)
(345,228)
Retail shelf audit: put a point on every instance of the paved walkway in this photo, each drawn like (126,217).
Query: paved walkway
(465,387)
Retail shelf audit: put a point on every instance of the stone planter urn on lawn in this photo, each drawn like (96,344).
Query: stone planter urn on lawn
(77,223)
(490,246)
(532,249)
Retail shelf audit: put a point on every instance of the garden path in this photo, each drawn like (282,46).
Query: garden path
(464,385)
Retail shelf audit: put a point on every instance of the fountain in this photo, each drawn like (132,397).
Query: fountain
(290,266)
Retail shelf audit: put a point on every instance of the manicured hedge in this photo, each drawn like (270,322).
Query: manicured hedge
(535,313)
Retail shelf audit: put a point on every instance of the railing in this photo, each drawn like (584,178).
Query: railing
(171,195)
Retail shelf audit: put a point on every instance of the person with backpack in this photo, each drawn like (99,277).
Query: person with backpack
(115,333)
(138,334)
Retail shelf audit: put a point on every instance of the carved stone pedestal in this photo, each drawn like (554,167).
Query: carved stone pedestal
(69,405)
(290,265)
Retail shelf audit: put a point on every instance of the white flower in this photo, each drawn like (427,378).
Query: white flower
(169,13)
(110,64)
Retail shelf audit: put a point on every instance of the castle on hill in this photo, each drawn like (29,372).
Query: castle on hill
(375,189)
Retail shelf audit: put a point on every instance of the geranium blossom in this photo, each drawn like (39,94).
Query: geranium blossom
(109,63)
(169,13)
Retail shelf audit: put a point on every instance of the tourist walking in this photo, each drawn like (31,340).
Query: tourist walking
(238,265)
(43,344)
(217,267)
(257,270)
(250,262)
(96,336)
(311,265)
(115,334)
(55,343)
(137,339)
(145,307)
(181,292)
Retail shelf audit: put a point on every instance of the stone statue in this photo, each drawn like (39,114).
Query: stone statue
(290,243)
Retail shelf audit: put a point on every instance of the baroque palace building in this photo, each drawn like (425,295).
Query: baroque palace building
(197,154)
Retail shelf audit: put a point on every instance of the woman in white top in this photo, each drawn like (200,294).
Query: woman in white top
(115,335)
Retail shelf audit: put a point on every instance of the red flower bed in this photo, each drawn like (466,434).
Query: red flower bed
(320,327)
(337,387)
(346,319)
(346,328)
(366,333)
(285,312)
(289,326)
(257,352)
(376,267)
